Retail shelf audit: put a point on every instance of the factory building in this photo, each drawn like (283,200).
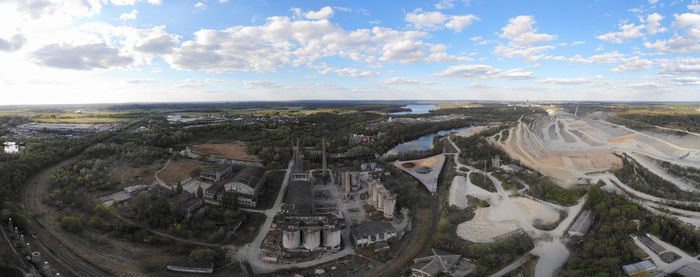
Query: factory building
(134,190)
(215,173)
(302,229)
(248,184)
(369,233)
(382,199)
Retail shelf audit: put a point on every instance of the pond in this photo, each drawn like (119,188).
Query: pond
(11,147)
(417,109)
(422,143)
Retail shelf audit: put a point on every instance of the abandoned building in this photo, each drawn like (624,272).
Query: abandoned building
(582,224)
(436,262)
(382,199)
(248,184)
(215,173)
(368,233)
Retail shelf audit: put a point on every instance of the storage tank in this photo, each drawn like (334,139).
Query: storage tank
(46,269)
(331,238)
(290,239)
(36,258)
(312,239)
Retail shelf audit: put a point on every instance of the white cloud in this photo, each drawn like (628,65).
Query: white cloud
(651,24)
(680,66)
(652,2)
(609,57)
(132,2)
(520,31)
(568,81)
(200,6)
(13,44)
(436,20)
(141,44)
(444,4)
(261,84)
(347,71)
(529,54)
(323,13)
(283,41)
(405,81)
(480,71)
(633,64)
(127,16)
(80,57)
(688,43)
(687,81)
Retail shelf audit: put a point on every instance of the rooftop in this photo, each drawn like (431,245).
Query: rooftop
(299,197)
(582,223)
(250,175)
(638,267)
(370,228)
(215,168)
(436,261)
(689,270)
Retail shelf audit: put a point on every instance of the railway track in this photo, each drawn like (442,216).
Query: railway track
(397,265)
(52,247)
(68,262)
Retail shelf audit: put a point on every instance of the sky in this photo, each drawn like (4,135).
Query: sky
(116,51)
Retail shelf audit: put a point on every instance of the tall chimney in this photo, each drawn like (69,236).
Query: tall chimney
(297,153)
(347,185)
(323,153)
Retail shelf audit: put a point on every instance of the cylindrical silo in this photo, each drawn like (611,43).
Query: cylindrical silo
(331,238)
(36,258)
(46,269)
(290,239)
(312,239)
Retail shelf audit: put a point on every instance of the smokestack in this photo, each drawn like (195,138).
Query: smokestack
(297,153)
(347,185)
(323,153)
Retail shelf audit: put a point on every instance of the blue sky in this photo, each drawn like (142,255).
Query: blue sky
(97,51)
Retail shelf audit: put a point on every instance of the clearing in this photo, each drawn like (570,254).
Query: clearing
(178,171)
(236,150)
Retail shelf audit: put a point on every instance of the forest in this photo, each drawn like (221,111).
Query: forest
(641,179)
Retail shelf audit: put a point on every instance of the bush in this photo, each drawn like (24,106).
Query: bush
(203,255)
(71,224)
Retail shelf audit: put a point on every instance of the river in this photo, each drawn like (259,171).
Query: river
(417,109)
(422,143)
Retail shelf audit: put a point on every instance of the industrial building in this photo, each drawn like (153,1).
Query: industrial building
(368,233)
(381,198)
(582,224)
(302,228)
(215,173)
(642,268)
(248,184)
(187,202)
(436,262)
(134,190)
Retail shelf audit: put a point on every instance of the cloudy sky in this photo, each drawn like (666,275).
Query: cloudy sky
(97,51)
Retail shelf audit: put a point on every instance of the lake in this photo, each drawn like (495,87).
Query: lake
(422,143)
(417,109)
(11,147)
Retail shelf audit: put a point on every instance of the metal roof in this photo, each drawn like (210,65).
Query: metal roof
(639,267)
(582,223)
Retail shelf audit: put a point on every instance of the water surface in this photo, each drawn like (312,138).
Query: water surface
(417,109)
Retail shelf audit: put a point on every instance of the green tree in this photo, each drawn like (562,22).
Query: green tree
(200,192)
(71,224)
(178,189)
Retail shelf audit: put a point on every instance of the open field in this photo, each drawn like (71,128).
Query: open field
(489,224)
(178,171)
(233,151)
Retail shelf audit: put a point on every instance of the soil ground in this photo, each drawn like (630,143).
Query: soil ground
(233,151)
(178,170)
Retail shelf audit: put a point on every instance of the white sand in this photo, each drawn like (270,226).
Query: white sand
(534,211)
(482,230)
(458,192)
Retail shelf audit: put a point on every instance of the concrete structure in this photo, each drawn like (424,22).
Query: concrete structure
(347,185)
(496,161)
(425,170)
(134,190)
(382,199)
(331,238)
(183,265)
(213,192)
(248,184)
(312,239)
(582,224)
(689,270)
(291,239)
(638,269)
(368,233)
(436,262)
(187,202)
(215,173)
